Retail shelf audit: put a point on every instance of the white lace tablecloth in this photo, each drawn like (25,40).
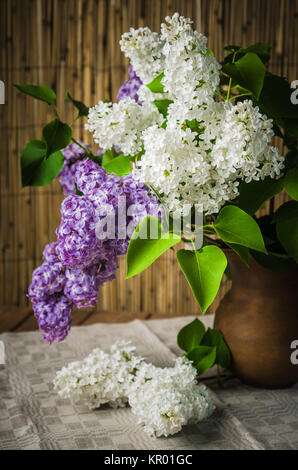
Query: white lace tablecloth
(32,416)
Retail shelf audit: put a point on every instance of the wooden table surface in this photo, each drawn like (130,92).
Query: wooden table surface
(22,319)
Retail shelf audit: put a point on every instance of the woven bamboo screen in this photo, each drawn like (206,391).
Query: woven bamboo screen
(73,45)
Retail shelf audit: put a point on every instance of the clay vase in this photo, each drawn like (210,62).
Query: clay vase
(259,320)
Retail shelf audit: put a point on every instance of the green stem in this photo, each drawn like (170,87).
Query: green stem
(238,96)
(220,95)
(185,240)
(208,226)
(212,241)
(193,244)
(90,155)
(229,90)
(72,123)
(230,82)
(80,145)
(56,111)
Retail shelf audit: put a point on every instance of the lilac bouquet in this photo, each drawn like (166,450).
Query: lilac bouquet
(186,132)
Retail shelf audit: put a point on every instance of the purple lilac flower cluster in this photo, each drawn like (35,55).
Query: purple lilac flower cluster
(79,262)
(73,153)
(51,307)
(130,87)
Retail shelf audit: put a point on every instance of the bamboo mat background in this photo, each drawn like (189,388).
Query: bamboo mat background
(74,45)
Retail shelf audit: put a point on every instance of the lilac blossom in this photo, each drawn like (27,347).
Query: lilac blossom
(51,308)
(54,317)
(79,262)
(73,153)
(77,243)
(47,279)
(130,87)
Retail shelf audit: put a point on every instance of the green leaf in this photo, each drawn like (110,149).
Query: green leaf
(232,48)
(268,230)
(254,194)
(287,227)
(275,99)
(203,358)
(248,72)
(108,155)
(228,272)
(57,136)
(195,126)
(83,109)
(291,160)
(242,91)
(274,261)
(233,225)
(143,250)
(260,48)
(162,106)
(290,142)
(37,170)
(290,126)
(288,210)
(242,251)
(214,338)
(223,355)
(277,131)
(156,86)
(32,156)
(48,169)
(291,183)
(203,270)
(191,335)
(119,165)
(42,93)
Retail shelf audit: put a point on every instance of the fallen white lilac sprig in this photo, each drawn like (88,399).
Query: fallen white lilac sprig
(163,399)
(166,399)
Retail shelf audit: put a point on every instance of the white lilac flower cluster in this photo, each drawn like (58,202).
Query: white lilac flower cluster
(205,147)
(144,49)
(121,124)
(191,73)
(163,399)
(203,166)
(101,377)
